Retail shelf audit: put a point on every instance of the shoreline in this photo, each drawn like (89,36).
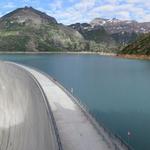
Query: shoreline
(59,52)
(133,56)
(126,56)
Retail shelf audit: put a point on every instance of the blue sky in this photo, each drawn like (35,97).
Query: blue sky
(72,11)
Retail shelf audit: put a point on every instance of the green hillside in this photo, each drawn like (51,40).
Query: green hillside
(98,35)
(139,47)
(27,29)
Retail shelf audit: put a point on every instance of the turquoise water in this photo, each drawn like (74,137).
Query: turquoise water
(117,91)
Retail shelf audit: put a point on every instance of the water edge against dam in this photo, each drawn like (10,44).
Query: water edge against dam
(25,124)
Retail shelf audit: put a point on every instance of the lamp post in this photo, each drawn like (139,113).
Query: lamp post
(72,91)
(129,134)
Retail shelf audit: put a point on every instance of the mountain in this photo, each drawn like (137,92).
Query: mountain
(97,34)
(27,29)
(27,15)
(116,26)
(119,32)
(127,32)
(124,38)
(139,47)
(122,31)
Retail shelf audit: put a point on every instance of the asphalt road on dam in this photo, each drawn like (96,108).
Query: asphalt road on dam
(24,121)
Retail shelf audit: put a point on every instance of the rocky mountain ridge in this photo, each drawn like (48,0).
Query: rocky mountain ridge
(27,15)
(98,33)
(115,25)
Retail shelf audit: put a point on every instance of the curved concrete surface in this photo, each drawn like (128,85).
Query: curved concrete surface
(77,130)
(24,120)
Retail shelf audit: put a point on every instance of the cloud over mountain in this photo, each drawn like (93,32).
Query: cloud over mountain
(71,11)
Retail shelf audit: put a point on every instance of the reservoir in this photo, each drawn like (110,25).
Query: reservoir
(116,90)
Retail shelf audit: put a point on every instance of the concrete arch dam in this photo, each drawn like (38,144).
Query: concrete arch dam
(36,113)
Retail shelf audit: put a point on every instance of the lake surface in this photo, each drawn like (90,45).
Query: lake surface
(117,91)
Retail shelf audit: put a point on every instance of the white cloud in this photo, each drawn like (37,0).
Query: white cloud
(134,1)
(75,13)
(9,5)
(86,10)
(57,5)
(125,15)
(71,11)
(26,1)
(105,8)
(146,18)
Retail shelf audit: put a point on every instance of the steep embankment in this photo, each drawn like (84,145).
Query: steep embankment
(139,47)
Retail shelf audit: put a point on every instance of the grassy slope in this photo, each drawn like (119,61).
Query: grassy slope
(139,47)
(99,36)
(20,34)
(49,37)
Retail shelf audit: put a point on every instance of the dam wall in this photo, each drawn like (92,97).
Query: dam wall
(24,120)
(77,129)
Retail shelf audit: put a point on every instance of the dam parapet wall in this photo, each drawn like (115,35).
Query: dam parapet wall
(77,128)
(118,142)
